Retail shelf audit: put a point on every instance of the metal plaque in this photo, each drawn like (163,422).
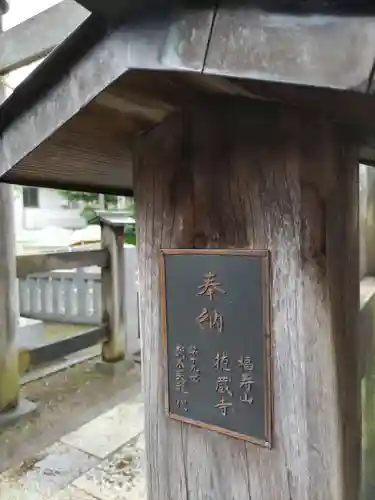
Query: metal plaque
(216,338)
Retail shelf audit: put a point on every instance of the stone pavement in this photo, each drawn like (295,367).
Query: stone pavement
(101,460)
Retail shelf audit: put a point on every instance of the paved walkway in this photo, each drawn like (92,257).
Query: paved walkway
(101,460)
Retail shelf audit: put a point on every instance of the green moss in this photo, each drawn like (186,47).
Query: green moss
(9,381)
(26,466)
(63,330)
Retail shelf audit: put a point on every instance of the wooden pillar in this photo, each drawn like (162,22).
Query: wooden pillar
(113,290)
(259,175)
(9,377)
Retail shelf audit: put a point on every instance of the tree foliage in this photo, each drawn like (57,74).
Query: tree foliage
(89,199)
(91,202)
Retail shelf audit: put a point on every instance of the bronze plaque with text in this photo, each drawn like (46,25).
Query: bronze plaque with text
(215,308)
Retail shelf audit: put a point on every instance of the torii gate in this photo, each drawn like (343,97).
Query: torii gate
(235,129)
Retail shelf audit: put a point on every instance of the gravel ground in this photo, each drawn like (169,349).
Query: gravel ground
(66,400)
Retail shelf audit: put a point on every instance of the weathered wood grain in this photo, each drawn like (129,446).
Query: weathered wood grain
(38,263)
(36,37)
(9,377)
(331,51)
(248,175)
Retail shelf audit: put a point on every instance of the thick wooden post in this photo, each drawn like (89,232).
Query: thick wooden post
(259,175)
(9,377)
(113,289)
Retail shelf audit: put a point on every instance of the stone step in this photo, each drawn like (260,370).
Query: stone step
(30,333)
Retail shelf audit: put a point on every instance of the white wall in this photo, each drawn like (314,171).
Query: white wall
(52,211)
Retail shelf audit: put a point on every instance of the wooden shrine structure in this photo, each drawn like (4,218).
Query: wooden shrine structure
(238,129)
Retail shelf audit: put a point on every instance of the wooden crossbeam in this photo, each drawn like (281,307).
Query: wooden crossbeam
(39,35)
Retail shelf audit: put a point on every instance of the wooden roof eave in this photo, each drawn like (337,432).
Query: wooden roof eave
(74,74)
(56,98)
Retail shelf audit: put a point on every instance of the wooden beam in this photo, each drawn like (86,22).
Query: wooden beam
(181,44)
(329,51)
(36,37)
(132,47)
(32,264)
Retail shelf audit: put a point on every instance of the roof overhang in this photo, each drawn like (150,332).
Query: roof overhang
(36,37)
(153,8)
(73,122)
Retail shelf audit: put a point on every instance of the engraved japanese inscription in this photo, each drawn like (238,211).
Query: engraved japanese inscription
(215,324)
